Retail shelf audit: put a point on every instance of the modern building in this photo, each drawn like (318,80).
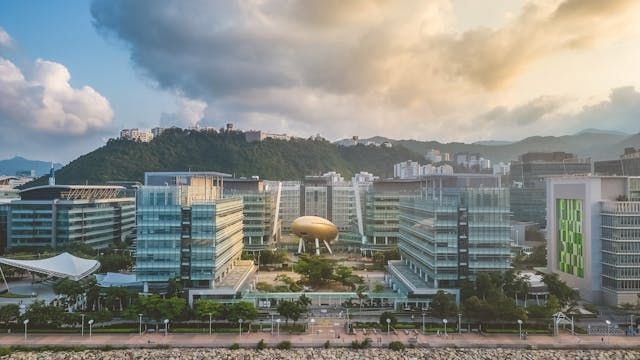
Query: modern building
(381,224)
(627,165)
(593,236)
(457,227)
(253,135)
(413,170)
(187,230)
(261,227)
(57,216)
(528,188)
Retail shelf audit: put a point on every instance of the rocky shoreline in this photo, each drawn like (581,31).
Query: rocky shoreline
(329,354)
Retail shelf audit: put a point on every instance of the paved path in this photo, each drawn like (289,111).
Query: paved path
(317,340)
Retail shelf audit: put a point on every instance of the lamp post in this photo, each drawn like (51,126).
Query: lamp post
(90,328)
(388,325)
(210,323)
(445,327)
(82,331)
(423,315)
(520,328)
(608,329)
(272,324)
(140,324)
(312,321)
(459,323)
(348,325)
(278,321)
(25,329)
(166,327)
(240,330)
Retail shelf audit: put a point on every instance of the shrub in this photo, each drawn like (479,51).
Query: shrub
(327,344)
(396,345)
(234,346)
(261,345)
(355,344)
(284,345)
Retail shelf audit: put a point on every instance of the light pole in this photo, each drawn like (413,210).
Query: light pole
(278,321)
(25,329)
(272,324)
(166,327)
(140,324)
(520,328)
(240,330)
(459,323)
(445,327)
(388,325)
(312,321)
(423,315)
(348,325)
(608,329)
(210,323)
(90,328)
(82,316)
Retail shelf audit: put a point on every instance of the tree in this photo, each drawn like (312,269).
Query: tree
(388,315)
(41,315)
(158,308)
(115,262)
(559,288)
(315,269)
(205,307)
(277,256)
(478,309)
(174,288)
(443,304)
(290,310)
(242,310)
(9,313)
(69,288)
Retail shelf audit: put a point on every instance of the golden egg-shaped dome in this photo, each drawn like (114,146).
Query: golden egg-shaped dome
(314,227)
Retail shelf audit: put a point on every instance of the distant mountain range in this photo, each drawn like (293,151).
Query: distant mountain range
(17,163)
(593,143)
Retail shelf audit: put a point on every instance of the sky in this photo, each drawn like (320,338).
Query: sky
(73,73)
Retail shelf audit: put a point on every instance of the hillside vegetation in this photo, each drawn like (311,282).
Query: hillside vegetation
(183,150)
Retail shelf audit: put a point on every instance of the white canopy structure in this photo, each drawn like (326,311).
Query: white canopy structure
(64,265)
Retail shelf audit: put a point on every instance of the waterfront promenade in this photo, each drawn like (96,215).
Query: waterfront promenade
(564,341)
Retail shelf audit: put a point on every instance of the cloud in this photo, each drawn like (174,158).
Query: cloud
(5,39)
(344,67)
(46,102)
(523,115)
(621,111)
(189,113)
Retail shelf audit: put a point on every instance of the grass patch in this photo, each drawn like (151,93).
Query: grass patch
(11,295)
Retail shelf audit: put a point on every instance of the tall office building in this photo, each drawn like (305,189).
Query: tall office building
(187,230)
(457,227)
(528,189)
(261,227)
(57,216)
(593,236)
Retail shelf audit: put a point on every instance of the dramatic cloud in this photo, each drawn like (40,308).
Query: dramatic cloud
(46,102)
(349,67)
(189,113)
(5,39)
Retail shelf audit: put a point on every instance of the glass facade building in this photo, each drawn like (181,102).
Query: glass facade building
(61,215)
(456,228)
(187,233)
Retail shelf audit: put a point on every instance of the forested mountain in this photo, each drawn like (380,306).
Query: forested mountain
(183,150)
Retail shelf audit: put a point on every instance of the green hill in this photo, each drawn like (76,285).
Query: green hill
(183,150)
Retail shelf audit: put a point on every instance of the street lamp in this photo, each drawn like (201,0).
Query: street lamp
(210,323)
(608,329)
(388,325)
(82,316)
(312,321)
(166,327)
(445,327)
(240,321)
(520,328)
(140,324)
(423,315)
(459,323)
(278,321)
(25,329)
(90,328)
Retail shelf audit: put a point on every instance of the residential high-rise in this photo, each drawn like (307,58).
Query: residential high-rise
(593,236)
(187,230)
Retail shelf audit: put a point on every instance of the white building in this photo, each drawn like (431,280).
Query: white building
(501,169)
(136,135)
(433,155)
(406,170)
(258,135)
